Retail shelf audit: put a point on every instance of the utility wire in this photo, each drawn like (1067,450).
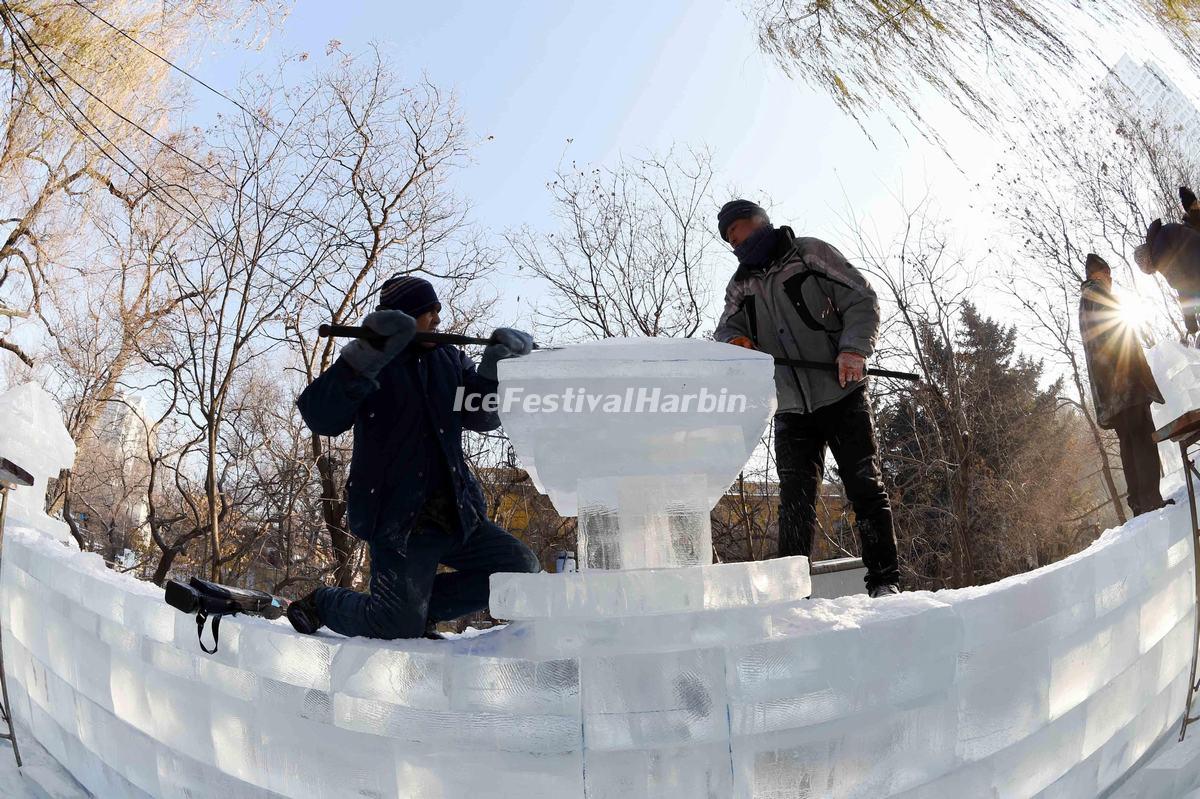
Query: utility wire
(30,45)
(32,42)
(152,183)
(169,63)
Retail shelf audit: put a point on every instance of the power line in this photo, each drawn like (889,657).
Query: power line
(33,43)
(169,63)
(30,45)
(152,183)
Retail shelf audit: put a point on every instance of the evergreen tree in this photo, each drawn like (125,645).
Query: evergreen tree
(1008,500)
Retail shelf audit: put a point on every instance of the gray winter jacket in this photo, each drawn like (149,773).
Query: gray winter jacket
(808,303)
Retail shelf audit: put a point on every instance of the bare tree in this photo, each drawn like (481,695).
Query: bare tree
(981,459)
(629,257)
(990,61)
(89,86)
(927,282)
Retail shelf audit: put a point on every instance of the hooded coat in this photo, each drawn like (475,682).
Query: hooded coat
(1117,368)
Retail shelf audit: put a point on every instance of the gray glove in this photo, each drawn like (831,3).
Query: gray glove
(506,343)
(396,326)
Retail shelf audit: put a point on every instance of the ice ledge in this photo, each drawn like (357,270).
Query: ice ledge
(650,592)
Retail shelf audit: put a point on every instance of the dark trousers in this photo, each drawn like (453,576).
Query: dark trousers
(1139,457)
(847,428)
(407,591)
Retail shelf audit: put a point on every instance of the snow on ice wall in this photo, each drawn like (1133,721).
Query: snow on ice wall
(32,435)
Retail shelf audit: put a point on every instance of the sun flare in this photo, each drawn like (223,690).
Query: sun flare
(1135,311)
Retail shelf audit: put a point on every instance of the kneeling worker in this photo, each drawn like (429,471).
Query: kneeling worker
(411,496)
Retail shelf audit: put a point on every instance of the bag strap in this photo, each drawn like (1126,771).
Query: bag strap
(202,617)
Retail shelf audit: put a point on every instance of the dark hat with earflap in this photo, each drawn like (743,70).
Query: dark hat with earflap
(1094,264)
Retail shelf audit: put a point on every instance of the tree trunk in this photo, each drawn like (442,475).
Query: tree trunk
(68,515)
(164,566)
(333,513)
(745,515)
(213,498)
(1105,467)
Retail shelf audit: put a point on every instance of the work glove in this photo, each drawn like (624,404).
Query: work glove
(396,327)
(1187,198)
(506,343)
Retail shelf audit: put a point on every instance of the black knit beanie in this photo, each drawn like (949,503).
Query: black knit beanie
(737,209)
(1094,264)
(413,295)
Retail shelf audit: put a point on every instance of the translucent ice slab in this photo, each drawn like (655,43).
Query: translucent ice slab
(639,438)
(643,592)
(33,437)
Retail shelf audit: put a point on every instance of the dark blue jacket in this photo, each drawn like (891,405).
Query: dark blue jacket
(1175,253)
(407,437)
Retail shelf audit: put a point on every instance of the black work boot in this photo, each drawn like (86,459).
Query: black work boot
(431,632)
(303,614)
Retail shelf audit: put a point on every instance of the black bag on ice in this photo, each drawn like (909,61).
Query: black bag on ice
(207,599)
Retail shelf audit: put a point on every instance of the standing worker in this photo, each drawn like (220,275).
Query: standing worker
(1122,385)
(410,493)
(1173,251)
(798,298)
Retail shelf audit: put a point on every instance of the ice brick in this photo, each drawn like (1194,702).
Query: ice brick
(642,592)
(651,700)
(704,772)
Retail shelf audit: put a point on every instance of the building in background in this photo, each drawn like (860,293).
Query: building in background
(111,477)
(1148,91)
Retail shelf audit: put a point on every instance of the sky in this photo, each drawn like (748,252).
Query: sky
(589,82)
(548,83)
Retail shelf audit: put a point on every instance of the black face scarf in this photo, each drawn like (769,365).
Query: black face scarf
(755,252)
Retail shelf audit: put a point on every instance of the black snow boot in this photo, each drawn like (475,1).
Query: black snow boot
(304,616)
(887,589)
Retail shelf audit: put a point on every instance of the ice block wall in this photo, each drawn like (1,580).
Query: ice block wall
(111,682)
(1052,683)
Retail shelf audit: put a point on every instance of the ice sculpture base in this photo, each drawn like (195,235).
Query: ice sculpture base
(646,592)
